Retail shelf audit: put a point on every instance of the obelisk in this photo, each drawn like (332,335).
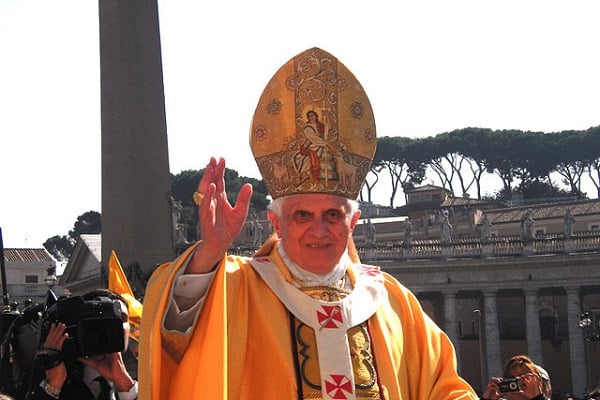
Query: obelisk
(136,214)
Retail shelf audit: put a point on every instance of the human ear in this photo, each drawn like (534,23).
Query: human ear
(354,219)
(275,222)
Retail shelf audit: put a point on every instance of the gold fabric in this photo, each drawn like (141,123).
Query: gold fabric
(313,130)
(241,346)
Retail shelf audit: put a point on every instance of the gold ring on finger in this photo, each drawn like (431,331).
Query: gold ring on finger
(198,197)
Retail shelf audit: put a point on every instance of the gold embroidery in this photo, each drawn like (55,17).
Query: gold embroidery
(365,375)
(325,293)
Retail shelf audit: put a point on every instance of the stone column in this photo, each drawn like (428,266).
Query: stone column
(492,333)
(450,321)
(136,184)
(532,321)
(482,358)
(576,343)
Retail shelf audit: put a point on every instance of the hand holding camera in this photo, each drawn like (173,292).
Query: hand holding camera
(93,326)
(57,374)
(509,385)
(528,385)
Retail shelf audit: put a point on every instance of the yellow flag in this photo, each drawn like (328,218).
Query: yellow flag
(117,282)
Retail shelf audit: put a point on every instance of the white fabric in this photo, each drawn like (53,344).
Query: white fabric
(311,279)
(132,394)
(188,296)
(330,320)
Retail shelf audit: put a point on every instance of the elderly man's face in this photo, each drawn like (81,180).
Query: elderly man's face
(314,230)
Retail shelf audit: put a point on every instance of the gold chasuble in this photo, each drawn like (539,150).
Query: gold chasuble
(261,337)
(247,344)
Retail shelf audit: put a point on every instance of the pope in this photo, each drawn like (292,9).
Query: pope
(303,318)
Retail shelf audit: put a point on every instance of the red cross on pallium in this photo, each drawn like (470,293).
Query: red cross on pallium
(329,316)
(338,386)
(370,270)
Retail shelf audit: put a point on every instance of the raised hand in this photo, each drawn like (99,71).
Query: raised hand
(220,222)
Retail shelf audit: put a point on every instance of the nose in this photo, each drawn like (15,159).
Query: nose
(318,227)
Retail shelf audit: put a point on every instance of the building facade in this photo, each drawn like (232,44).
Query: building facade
(494,307)
(29,275)
(502,280)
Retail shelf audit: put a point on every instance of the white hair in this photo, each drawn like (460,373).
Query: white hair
(276,206)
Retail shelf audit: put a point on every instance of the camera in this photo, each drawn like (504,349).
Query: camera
(509,385)
(94,326)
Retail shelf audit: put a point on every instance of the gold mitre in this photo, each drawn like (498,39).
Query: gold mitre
(313,130)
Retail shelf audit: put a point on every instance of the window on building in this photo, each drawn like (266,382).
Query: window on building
(31,279)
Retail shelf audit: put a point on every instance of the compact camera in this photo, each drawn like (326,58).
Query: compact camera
(509,385)
(94,326)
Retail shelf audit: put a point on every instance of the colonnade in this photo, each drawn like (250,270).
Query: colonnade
(492,362)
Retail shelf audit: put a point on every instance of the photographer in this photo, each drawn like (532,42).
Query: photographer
(522,380)
(94,376)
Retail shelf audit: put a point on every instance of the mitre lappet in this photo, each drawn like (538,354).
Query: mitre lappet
(313,130)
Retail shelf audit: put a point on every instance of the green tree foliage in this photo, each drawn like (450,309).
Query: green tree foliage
(591,156)
(569,147)
(185,183)
(473,148)
(61,247)
(462,159)
(500,159)
(87,223)
(541,190)
(404,159)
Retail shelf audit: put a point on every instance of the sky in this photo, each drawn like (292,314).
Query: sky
(428,67)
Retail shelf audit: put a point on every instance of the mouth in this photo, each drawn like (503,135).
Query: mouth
(317,246)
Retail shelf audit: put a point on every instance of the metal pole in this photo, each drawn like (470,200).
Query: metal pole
(3,271)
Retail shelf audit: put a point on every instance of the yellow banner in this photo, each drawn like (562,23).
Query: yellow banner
(118,283)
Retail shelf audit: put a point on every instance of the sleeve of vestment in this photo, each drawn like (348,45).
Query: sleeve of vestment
(186,301)
(418,360)
(162,350)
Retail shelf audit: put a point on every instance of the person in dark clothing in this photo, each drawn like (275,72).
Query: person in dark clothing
(95,377)
(531,381)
